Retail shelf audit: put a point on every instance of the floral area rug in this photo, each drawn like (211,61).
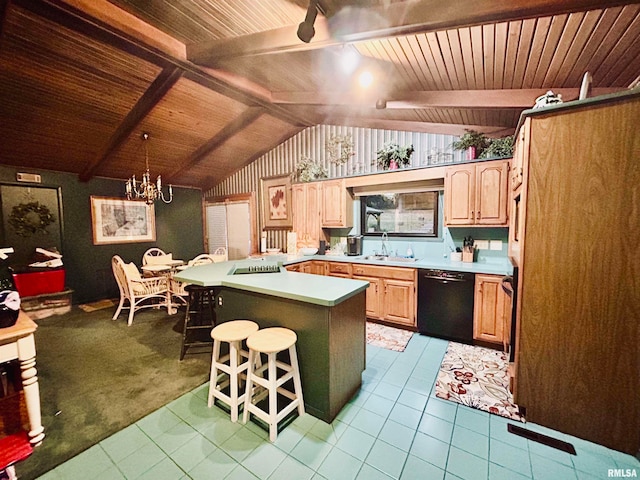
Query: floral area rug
(387,337)
(477,377)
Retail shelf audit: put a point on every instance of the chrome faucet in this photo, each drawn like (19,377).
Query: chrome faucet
(385,240)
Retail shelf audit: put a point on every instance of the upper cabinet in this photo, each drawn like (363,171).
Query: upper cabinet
(476,194)
(337,204)
(305,198)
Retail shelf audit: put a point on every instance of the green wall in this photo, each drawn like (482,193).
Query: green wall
(179,230)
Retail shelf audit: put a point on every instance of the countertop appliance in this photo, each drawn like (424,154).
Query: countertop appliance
(445,304)
(354,245)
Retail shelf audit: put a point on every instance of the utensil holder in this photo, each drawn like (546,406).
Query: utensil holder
(456,256)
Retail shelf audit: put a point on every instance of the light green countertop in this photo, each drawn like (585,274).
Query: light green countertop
(315,289)
(495,268)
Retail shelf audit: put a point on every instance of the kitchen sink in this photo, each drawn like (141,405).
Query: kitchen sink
(386,258)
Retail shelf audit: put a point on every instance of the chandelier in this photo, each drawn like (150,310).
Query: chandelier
(146,189)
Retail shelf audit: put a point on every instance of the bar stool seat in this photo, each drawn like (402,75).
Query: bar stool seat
(228,370)
(271,341)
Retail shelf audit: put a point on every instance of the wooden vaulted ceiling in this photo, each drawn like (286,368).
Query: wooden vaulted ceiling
(218,83)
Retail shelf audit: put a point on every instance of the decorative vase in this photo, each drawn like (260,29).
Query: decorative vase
(393,165)
(471,153)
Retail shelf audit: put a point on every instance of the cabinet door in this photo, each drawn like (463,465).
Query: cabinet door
(374,296)
(313,214)
(459,195)
(306,213)
(491,193)
(519,153)
(299,212)
(337,211)
(399,302)
(489,309)
(318,267)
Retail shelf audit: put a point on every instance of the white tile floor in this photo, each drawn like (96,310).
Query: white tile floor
(394,428)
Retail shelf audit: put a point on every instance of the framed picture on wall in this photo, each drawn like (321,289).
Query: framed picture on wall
(115,220)
(276,202)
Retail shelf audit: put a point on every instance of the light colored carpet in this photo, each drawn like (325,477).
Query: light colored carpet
(387,337)
(477,377)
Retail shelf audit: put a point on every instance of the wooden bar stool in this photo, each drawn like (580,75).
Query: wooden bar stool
(271,341)
(199,319)
(227,370)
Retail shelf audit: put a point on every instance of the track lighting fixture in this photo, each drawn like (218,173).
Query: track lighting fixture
(381,104)
(305,29)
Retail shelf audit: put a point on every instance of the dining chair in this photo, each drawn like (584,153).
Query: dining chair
(139,292)
(153,256)
(201,259)
(220,255)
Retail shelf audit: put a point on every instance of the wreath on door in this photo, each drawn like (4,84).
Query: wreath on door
(30,218)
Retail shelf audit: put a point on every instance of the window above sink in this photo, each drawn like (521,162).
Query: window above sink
(400,214)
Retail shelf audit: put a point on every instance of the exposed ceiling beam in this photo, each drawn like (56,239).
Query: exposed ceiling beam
(239,123)
(109,14)
(352,24)
(156,91)
(68,14)
(514,98)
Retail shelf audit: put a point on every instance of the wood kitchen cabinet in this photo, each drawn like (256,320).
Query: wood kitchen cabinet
(305,199)
(391,295)
(490,309)
(373,304)
(477,194)
(577,302)
(338,269)
(337,205)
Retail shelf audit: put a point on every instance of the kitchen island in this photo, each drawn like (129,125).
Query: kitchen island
(327,314)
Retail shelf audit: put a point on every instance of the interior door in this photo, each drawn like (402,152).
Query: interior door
(229,226)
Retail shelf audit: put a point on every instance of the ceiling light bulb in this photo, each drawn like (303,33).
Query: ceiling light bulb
(365,79)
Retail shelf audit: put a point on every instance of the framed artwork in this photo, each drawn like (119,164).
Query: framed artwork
(276,202)
(115,220)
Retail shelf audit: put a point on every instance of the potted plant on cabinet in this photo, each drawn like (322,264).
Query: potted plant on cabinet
(499,148)
(308,169)
(473,142)
(392,156)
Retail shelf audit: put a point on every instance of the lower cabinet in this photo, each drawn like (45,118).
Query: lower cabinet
(338,269)
(491,310)
(373,304)
(391,295)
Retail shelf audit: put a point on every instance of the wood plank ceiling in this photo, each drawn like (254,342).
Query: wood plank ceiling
(217,83)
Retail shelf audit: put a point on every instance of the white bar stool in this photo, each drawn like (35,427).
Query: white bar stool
(271,341)
(227,370)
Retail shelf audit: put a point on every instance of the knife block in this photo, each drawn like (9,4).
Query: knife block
(467,254)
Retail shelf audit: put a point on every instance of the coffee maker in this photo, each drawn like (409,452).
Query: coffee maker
(354,245)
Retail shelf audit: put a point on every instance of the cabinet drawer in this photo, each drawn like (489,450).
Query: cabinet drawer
(339,267)
(397,273)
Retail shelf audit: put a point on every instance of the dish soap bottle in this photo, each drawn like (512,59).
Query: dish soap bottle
(409,253)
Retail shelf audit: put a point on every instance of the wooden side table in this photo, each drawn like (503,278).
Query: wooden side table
(17,342)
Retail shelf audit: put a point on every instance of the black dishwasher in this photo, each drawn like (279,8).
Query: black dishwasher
(445,304)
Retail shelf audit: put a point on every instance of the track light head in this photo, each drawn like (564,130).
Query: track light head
(306,32)
(305,29)
(381,104)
